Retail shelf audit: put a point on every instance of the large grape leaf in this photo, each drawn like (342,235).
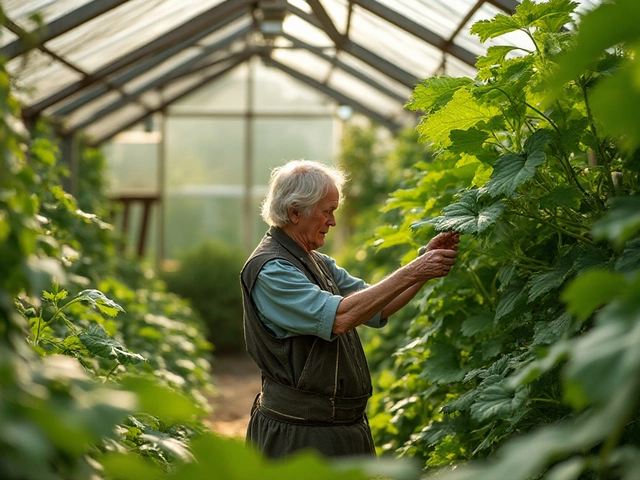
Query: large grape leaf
(434,93)
(97,342)
(497,401)
(495,55)
(461,113)
(513,295)
(468,215)
(443,365)
(511,170)
(561,196)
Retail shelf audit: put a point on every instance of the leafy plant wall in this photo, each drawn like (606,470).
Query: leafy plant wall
(527,353)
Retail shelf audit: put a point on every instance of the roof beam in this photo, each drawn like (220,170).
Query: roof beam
(313,83)
(60,26)
(161,43)
(507,6)
(143,67)
(387,68)
(163,80)
(418,30)
(173,99)
(327,24)
(348,69)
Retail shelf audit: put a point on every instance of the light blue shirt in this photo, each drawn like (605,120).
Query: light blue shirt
(289,304)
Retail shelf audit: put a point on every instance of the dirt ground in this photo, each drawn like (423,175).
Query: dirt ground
(237,381)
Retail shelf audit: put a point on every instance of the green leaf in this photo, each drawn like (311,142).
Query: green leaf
(513,296)
(468,215)
(557,353)
(592,290)
(434,93)
(468,141)
(98,300)
(129,466)
(162,402)
(606,358)
(608,25)
(614,101)
(621,223)
(497,401)
(629,259)
(551,332)
(495,56)
(561,196)
(498,25)
(443,365)
(510,170)
(478,324)
(97,342)
(461,113)
(172,446)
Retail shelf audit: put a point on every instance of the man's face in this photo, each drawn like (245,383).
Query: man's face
(312,230)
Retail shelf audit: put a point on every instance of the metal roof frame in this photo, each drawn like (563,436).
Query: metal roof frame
(117,74)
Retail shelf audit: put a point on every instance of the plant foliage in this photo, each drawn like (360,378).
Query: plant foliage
(526,355)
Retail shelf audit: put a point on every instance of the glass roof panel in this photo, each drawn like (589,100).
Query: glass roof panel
(124,29)
(88,110)
(440,16)
(6,36)
(108,124)
(395,45)
(297,27)
(275,92)
(20,11)
(374,74)
(39,75)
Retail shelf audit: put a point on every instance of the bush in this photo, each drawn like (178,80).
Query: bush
(208,277)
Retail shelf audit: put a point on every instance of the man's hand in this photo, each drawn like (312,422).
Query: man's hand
(435,263)
(442,241)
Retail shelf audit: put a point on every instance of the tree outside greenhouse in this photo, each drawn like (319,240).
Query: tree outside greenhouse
(523,363)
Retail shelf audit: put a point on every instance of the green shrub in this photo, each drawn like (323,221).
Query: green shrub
(208,277)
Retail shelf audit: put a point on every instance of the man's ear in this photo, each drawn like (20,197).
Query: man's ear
(294,215)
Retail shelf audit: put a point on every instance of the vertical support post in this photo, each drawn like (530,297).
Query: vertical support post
(248,164)
(69,152)
(162,195)
(142,237)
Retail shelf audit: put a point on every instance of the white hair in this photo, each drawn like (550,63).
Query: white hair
(298,184)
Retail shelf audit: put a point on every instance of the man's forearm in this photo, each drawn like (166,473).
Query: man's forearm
(361,306)
(401,300)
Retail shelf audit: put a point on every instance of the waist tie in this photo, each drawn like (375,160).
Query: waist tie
(288,404)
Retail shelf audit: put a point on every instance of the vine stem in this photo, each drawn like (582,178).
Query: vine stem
(111,371)
(556,227)
(478,283)
(55,315)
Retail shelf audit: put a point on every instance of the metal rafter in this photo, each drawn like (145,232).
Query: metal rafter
(327,24)
(340,97)
(384,66)
(165,79)
(164,41)
(60,26)
(173,99)
(507,6)
(346,68)
(143,67)
(418,30)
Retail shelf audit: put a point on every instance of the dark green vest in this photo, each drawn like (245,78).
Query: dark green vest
(308,384)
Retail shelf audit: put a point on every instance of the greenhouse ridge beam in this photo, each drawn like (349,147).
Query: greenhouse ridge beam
(321,87)
(418,30)
(173,99)
(385,67)
(164,79)
(60,26)
(144,67)
(346,68)
(162,42)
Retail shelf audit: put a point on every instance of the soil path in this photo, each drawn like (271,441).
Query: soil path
(237,381)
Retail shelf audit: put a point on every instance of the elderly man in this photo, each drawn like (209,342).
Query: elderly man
(300,316)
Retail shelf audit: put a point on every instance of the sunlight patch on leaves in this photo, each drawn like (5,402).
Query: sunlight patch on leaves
(97,342)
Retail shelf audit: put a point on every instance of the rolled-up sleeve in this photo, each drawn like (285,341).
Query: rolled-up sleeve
(289,304)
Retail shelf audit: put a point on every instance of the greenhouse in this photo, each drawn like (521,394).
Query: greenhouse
(495,139)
